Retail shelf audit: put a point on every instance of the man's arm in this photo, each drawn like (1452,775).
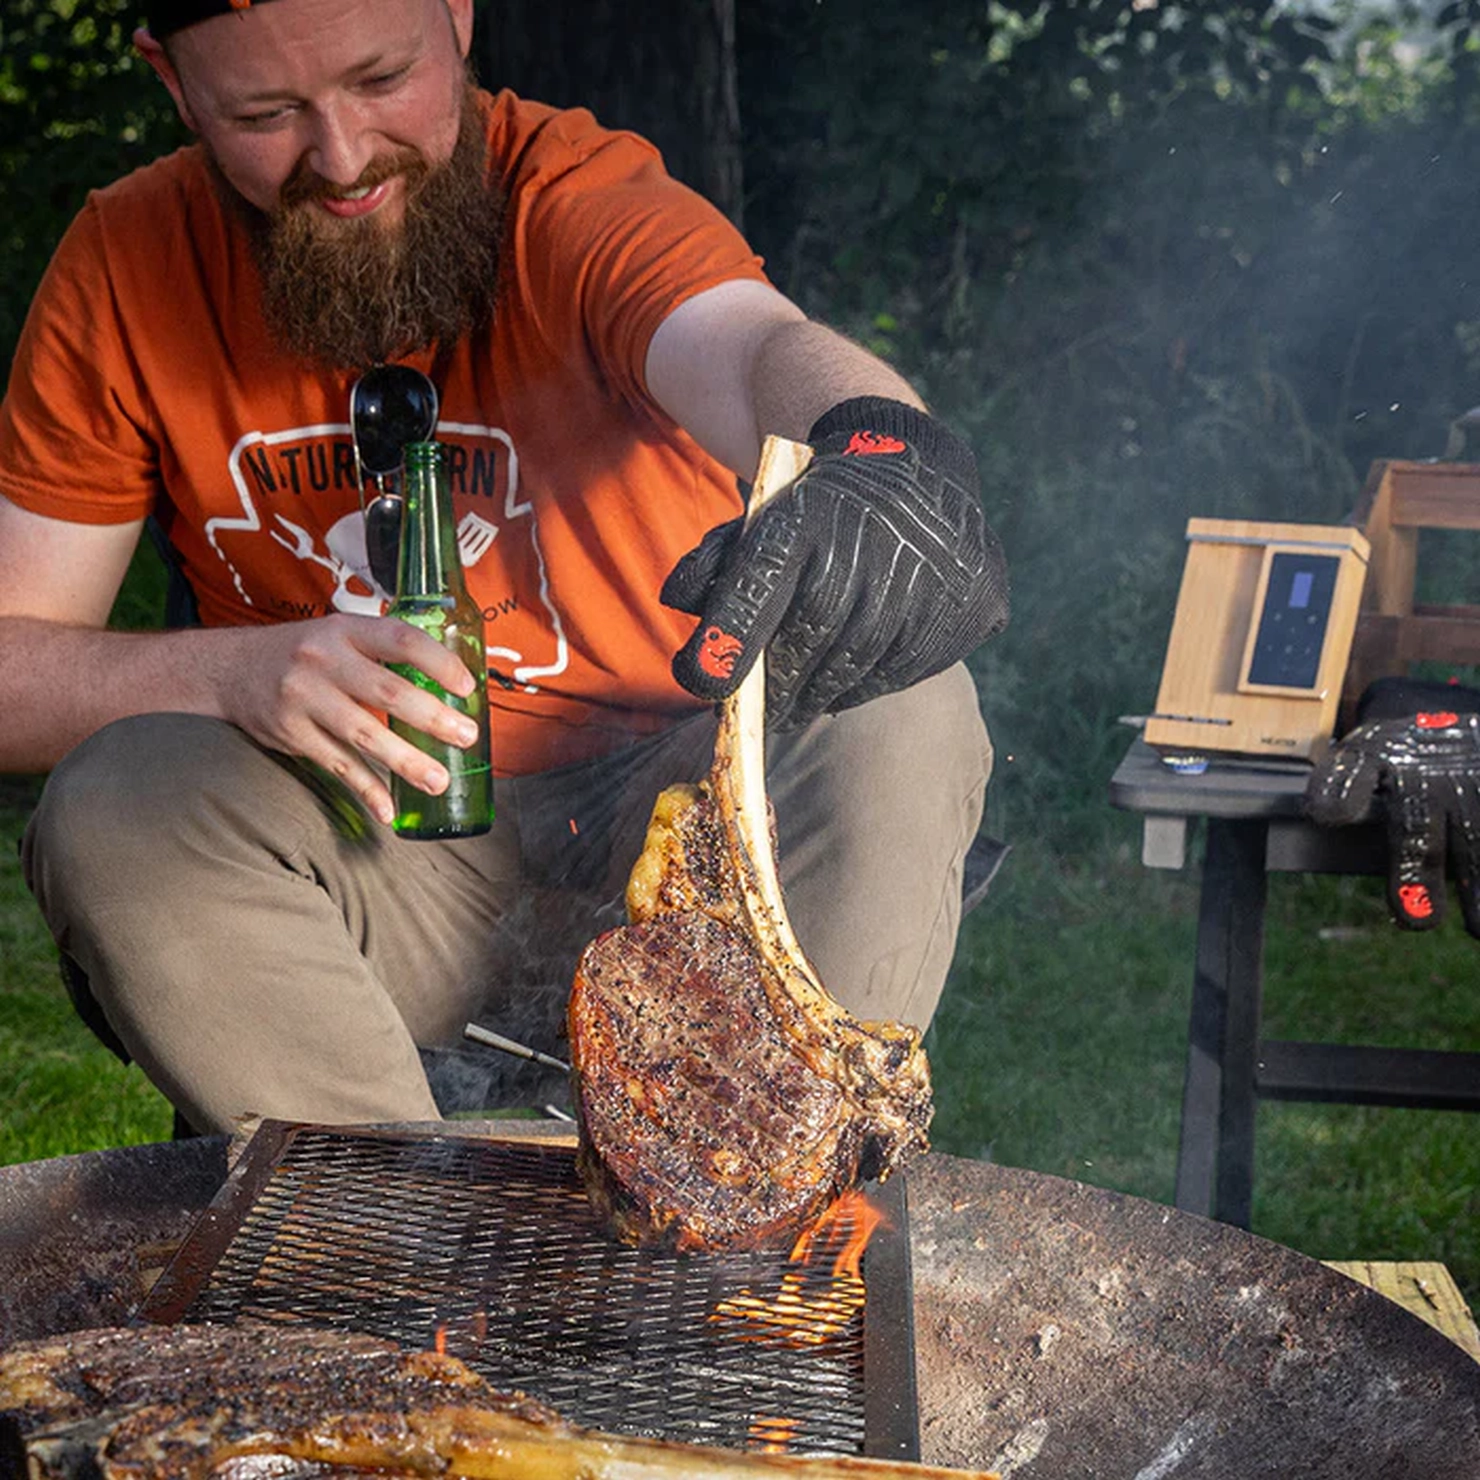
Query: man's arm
(876,569)
(310,689)
(741,361)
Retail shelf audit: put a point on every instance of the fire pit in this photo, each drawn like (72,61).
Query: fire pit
(1060,1330)
(490,1250)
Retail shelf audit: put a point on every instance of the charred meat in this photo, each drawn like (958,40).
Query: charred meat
(286,1402)
(724,1098)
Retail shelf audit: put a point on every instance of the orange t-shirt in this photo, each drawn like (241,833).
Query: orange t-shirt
(146,381)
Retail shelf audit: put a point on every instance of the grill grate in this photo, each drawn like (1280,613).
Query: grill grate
(492,1248)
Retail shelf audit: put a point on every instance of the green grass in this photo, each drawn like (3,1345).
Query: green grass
(1382,1183)
(60,1090)
(1058,1047)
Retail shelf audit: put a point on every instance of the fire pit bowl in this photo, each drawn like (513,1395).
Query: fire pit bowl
(1061,1330)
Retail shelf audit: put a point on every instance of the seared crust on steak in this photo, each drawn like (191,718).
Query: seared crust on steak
(170,1402)
(289,1402)
(724,1098)
(728,1129)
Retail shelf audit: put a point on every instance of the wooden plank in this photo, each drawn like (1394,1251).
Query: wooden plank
(1435,495)
(1425,1289)
(1393,560)
(1376,492)
(1438,639)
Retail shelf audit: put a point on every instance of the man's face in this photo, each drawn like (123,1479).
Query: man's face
(358,165)
(323,103)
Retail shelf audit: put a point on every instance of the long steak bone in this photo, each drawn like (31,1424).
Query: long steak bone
(724,1098)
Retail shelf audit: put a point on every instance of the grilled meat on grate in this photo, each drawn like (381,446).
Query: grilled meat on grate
(724,1098)
(279,1402)
(179,1401)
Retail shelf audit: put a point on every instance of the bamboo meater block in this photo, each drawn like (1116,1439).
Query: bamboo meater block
(1260,640)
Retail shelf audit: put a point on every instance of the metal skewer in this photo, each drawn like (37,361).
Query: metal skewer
(480,1034)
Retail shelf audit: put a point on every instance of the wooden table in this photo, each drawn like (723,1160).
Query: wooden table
(1254,827)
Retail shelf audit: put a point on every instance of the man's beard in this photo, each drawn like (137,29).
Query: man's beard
(353,293)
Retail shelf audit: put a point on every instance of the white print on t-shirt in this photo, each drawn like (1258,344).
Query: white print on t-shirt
(305,460)
(346,561)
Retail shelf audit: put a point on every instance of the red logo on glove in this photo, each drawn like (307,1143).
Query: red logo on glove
(1415,901)
(1441,720)
(718,651)
(867,444)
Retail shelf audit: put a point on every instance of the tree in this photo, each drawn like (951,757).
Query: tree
(78,108)
(670,77)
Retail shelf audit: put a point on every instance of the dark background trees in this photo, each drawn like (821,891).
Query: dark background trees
(665,69)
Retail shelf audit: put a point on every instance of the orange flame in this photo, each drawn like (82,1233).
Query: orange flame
(772,1435)
(851,1219)
(795,1316)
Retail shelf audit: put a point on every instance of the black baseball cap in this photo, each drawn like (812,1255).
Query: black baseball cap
(167,16)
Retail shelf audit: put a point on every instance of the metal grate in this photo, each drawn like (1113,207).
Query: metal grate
(492,1249)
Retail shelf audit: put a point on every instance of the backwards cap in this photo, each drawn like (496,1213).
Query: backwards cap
(168,16)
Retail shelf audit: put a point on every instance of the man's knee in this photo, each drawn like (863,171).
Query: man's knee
(116,803)
(936,731)
(876,809)
(145,766)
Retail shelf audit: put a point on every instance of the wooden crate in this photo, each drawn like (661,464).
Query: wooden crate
(1399,500)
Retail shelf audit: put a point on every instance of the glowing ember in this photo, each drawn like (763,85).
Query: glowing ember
(773,1435)
(795,1315)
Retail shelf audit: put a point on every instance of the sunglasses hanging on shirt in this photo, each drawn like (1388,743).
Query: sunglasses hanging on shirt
(389,407)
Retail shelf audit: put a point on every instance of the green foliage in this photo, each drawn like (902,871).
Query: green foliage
(78,108)
(140,603)
(1156,261)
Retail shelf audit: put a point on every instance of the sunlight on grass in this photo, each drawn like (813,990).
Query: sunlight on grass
(61,1091)
(1357,1182)
(1058,1044)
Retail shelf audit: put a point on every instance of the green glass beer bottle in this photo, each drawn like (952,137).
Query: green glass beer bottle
(432,594)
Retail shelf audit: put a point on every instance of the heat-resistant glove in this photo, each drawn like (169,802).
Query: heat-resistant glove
(1421,773)
(874,570)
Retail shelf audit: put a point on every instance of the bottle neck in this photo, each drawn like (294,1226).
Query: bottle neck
(429,564)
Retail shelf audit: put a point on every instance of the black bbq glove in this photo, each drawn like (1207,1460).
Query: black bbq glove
(1421,773)
(874,570)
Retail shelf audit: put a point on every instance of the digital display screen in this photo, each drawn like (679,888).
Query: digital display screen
(1292,624)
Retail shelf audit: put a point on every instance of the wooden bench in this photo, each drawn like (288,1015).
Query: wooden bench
(1426,1290)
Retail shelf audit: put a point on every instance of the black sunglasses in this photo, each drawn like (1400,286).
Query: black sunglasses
(389,406)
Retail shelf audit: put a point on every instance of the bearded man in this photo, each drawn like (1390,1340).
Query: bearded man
(609,357)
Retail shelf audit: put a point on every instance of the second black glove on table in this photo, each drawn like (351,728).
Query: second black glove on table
(1414,760)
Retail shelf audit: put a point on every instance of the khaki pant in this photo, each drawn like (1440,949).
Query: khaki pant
(253,957)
